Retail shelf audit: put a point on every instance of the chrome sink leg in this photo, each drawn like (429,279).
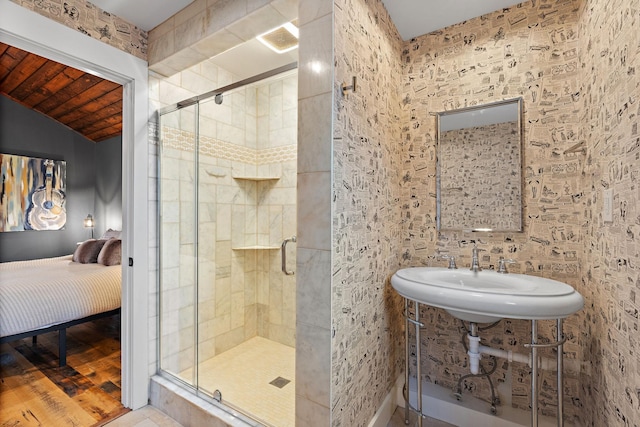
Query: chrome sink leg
(407,396)
(534,374)
(418,363)
(560,357)
(406,360)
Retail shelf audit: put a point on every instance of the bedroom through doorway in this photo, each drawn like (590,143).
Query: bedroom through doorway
(63,113)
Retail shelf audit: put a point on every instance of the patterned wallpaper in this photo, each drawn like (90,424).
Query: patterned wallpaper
(480,177)
(609,52)
(528,51)
(89,19)
(575,65)
(366,322)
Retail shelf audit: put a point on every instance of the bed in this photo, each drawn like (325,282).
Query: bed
(53,294)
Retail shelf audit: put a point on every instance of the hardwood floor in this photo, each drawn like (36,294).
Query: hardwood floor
(34,391)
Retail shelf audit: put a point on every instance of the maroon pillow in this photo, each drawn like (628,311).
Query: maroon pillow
(111,253)
(87,252)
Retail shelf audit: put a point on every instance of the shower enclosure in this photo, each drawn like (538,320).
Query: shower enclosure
(227,197)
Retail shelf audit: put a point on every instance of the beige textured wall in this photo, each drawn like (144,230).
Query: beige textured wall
(366,321)
(575,64)
(88,19)
(609,52)
(528,51)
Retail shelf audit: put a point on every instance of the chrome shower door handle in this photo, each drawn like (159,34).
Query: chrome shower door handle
(284,255)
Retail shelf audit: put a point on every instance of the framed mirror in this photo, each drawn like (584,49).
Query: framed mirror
(479,167)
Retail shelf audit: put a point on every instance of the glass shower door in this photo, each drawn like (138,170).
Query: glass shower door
(178,243)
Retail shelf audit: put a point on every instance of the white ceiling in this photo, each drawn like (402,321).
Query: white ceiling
(145,14)
(412,18)
(417,17)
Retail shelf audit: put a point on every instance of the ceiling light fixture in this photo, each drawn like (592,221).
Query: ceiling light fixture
(281,39)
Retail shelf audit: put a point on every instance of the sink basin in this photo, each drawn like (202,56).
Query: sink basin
(487,296)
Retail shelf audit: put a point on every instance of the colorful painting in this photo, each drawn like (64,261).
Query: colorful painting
(32,196)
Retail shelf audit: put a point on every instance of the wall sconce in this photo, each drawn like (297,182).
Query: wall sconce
(89,223)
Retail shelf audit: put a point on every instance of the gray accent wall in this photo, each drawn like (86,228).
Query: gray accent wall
(28,133)
(108,195)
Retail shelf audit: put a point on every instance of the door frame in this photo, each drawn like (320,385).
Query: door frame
(32,32)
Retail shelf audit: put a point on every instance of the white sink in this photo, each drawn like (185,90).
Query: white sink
(487,296)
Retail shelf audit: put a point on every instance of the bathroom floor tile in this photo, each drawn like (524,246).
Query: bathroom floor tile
(245,375)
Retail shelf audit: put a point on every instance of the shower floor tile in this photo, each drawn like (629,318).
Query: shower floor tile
(244,375)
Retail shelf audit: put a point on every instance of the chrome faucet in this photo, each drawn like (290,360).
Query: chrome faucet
(475,264)
(502,265)
(452,261)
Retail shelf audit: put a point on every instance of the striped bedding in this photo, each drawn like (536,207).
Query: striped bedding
(45,292)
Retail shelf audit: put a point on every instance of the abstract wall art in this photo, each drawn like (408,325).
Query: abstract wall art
(32,193)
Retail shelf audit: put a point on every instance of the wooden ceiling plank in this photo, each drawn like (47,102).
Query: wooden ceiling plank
(78,119)
(88,109)
(106,134)
(57,83)
(29,65)
(10,60)
(103,124)
(81,101)
(68,92)
(38,79)
(85,97)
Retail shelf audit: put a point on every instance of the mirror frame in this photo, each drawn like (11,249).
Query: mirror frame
(520,116)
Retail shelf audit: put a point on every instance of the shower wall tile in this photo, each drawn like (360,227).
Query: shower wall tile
(312,289)
(309,413)
(255,24)
(314,196)
(315,135)
(207,28)
(190,31)
(315,57)
(311,10)
(315,77)
(313,367)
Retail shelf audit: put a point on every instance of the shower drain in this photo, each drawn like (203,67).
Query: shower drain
(280,382)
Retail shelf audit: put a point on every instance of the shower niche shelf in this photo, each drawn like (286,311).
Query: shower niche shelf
(255,247)
(255,178)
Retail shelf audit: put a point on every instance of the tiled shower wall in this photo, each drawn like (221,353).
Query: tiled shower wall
(366,351)
(242,292)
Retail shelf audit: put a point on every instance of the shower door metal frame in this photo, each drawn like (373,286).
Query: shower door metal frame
(195,387)
(221,90)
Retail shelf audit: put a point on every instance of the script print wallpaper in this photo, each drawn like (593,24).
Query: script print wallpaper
(531,51)
(366,349)
(94,22)
(609,41)
(575,63)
